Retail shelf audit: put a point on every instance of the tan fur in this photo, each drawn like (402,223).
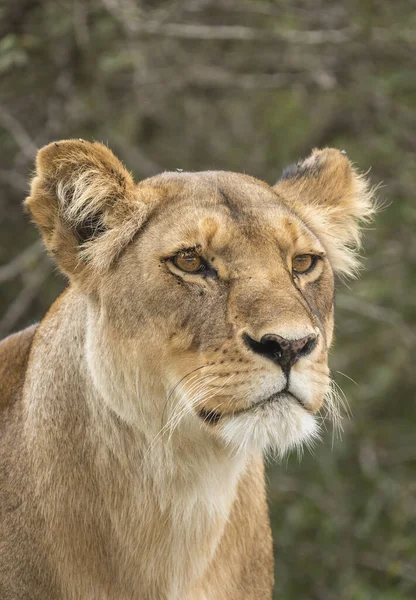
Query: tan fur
(114,484)
(332,198)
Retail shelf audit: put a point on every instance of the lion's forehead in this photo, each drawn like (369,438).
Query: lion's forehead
(225,211)
(236,191)
(195,179)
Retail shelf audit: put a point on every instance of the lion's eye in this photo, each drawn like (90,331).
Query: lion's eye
(303,263)
(190,263)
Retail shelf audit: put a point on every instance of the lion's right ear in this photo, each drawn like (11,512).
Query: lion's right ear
(85,203)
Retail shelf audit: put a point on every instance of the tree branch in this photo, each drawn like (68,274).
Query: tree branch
(24,261)
(25,297)
(18,133)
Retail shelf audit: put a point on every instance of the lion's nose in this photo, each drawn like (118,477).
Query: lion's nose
(280,350)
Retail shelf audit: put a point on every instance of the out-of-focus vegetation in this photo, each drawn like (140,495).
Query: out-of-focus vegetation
(252,86)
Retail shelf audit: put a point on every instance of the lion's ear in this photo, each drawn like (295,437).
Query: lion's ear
(333,199)
(84,202)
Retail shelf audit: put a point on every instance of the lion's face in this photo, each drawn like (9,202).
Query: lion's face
(221,299)
(211,293)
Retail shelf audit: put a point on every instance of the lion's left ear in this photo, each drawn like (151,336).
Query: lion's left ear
(333,199)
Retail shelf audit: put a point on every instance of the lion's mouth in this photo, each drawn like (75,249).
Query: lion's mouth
(212,417)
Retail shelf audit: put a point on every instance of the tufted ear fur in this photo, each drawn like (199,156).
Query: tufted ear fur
(333,199)
(85,203)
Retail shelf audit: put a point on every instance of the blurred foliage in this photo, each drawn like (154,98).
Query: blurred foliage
(252,86)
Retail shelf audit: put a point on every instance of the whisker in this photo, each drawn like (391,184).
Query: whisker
(348,377)
(343,399)
(169,423)
(172,391)
(199,397)
(187,407)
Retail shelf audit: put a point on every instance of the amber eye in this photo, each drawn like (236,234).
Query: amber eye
(303,263)
(188,262)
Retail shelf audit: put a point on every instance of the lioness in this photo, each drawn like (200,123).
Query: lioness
(192,338)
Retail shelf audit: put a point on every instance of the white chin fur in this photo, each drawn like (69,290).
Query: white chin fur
(276,428)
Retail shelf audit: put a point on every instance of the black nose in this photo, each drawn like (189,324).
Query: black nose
(280,350)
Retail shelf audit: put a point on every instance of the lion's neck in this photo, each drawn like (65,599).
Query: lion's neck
(156,512)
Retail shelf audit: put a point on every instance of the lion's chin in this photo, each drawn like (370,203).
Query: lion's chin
(273,427)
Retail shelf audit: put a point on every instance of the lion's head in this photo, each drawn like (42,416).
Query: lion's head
(209,295)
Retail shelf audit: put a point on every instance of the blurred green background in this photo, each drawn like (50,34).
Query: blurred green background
(252,86)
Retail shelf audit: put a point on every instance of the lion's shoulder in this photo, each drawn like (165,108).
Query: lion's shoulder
(14,356)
